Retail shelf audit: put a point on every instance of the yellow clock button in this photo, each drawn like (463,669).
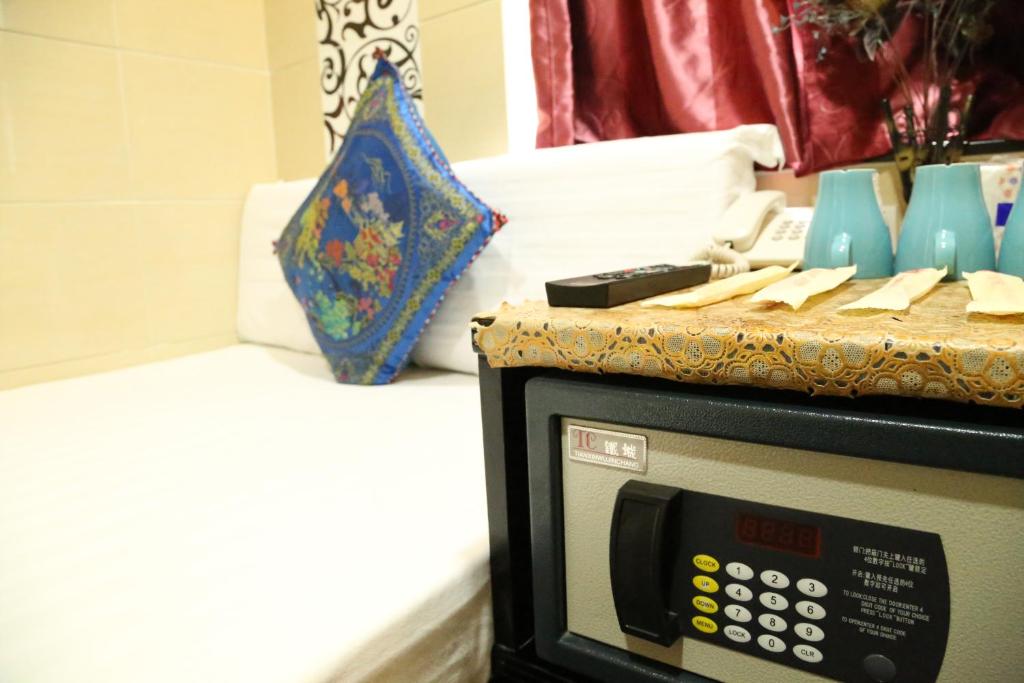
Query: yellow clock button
(705,604)
(706,584)
(704,624)
(705,563)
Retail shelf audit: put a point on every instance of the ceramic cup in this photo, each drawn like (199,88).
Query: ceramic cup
(847,227)
(1011,253)
(947,223)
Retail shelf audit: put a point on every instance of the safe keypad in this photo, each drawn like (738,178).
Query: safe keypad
(774,618)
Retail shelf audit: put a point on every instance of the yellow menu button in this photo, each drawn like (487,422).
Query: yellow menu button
(704,624)
(705,562)
(705,604)
(706,584)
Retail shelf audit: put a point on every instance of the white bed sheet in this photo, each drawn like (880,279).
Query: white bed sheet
(238,516)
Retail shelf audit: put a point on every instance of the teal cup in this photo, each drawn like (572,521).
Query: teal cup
(847,227)
(947,223)
(1011,253)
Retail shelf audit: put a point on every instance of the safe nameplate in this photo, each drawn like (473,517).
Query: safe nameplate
(611,449)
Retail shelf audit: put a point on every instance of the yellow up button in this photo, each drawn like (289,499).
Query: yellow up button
(705,604)
(706,584)
(705,563)
(704,624)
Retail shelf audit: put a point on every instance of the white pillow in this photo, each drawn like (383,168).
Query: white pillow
(572,211)
(589,209)
(268,312)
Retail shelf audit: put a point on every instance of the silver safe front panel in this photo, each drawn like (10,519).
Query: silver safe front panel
(979,518)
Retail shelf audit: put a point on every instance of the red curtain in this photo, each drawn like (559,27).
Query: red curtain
(609,69)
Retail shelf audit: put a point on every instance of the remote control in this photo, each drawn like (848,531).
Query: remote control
(605,290)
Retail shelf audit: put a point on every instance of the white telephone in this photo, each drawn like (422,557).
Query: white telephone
(759,230)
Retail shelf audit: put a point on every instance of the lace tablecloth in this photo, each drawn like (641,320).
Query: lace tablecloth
(933,350)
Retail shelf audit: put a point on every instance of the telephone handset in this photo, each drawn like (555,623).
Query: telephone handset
(758,230)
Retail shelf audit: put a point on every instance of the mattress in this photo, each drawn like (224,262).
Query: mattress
(238,516)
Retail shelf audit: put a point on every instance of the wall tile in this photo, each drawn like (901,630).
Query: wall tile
(291,31)
(298,121)
(464,81)
(71,283)
(223,31)
(62,131)
(197,131)
(89,21)
(429,9)
(189,252)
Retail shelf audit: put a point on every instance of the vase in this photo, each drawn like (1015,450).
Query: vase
(847,227)
(1011,253)
(947,223)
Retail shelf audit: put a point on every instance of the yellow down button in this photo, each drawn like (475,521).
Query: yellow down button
(706,584)
(704,624)
(705,604)
(705,563)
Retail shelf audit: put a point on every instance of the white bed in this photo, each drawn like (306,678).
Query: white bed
(195,520)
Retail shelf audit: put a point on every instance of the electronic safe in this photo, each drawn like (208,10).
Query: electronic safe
(684,536)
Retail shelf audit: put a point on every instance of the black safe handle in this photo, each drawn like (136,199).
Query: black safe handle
(644,525)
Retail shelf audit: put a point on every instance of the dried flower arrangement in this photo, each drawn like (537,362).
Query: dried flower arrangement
(928,129)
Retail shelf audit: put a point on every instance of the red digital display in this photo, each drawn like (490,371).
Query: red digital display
(778,534)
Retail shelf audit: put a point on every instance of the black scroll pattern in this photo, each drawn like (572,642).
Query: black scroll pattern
(350,32)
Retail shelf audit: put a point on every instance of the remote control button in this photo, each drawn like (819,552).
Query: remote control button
(706,584)
(772,622)
(705,563)
(739,592)
(794,235)
(774,579)
(736,633)
(811,610)
(738,613)
(807,653)
(771,643)
(809,632)
(740,571)
(812,588)
(704,624)
(705,604)
(775,601)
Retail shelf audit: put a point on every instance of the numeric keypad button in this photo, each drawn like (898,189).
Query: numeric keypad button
(739,592)
(775,601)
(739,571)
(738,613)
(807,653)
(774,579)
(809,632)
(771,643)
(736,633)
(811,610)
(772,622)
(812,588)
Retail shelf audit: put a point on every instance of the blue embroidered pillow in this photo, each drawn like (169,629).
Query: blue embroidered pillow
(385,232)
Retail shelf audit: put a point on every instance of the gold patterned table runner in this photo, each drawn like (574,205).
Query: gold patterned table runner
(933,350)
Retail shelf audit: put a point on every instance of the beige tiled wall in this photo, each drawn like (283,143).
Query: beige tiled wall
(463,76)
(130,131)
(295,84)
